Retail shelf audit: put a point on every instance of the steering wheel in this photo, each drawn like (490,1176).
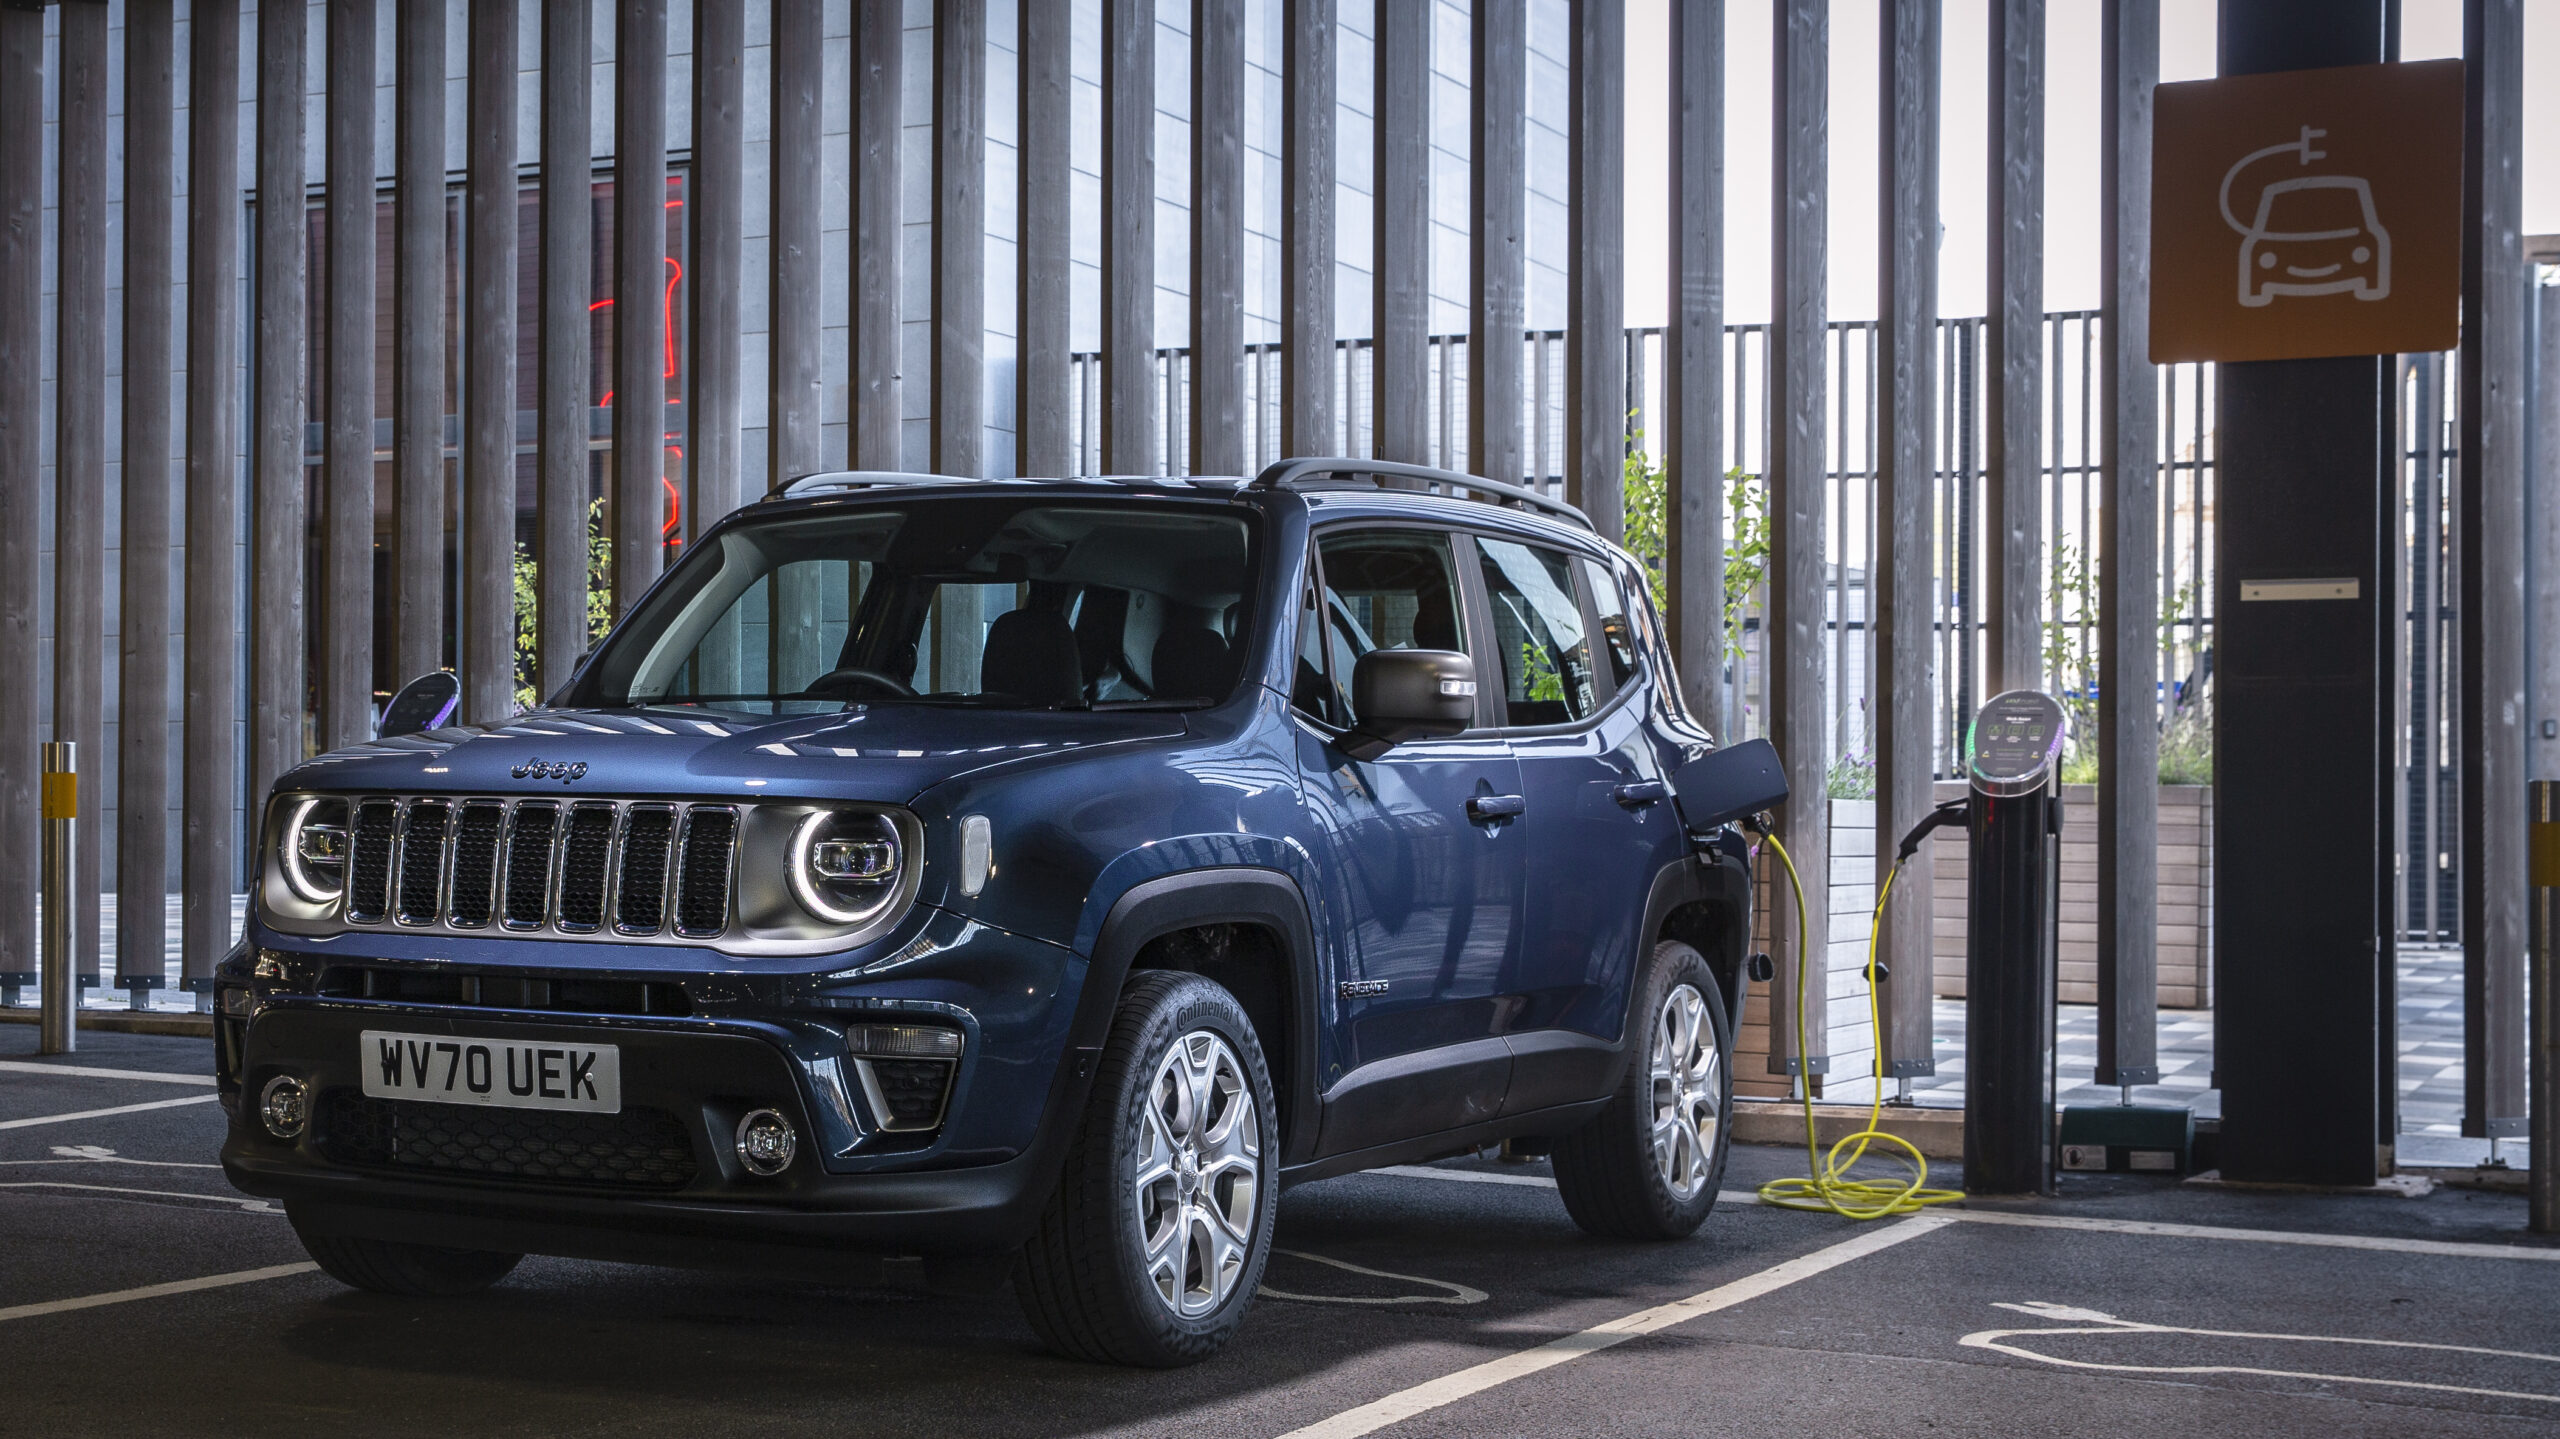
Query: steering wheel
(827,686)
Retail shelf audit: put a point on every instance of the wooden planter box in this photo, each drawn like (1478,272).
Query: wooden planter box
(2186,898)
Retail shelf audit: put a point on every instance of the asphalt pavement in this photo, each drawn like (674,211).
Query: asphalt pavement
(140,1295)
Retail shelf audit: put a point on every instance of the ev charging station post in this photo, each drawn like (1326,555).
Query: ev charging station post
(2014,829)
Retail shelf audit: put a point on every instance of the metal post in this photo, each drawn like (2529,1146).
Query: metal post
(2542,908)
(59,1024)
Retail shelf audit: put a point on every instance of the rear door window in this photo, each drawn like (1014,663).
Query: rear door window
(1617,629)
(1539,633)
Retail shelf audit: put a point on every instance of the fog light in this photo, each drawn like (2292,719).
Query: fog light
(284,1106)
(766,1142)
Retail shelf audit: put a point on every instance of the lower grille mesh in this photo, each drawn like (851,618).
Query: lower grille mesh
(636,1149)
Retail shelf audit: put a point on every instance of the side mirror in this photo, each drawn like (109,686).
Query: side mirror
(424,703)
(1402,695)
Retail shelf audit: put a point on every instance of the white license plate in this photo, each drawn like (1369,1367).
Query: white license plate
(507,1073)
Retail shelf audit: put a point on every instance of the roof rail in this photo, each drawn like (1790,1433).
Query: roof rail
(863,479)
(1281,474)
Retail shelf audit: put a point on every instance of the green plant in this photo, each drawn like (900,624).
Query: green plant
(2070,657)
(599,603)
(1746,553)
(1646,534)
(1647,496)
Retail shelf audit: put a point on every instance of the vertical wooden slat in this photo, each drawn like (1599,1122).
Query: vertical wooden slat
(716,190)
(276,538)
(211,823)
(797,382)
(418,342)
(1217,235)
(2013,351)
(959,237)
(1045,441)
(347,473)
(878,231)
(21,365)
(2491,571)
(1799,724)
(142,596)
(639,503)
(1693,366)
(1497,101)
(80,443)
(1128,236)
(2542,496)
(2128,559)
(488,609)
(567,355)
(1401,197)
(1595,376)
(1906,512)
(1306,227)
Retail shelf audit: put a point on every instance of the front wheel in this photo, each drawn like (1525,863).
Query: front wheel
(1152,1248)
(1649,1165)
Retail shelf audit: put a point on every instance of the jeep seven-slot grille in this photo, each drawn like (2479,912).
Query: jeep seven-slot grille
(525,865)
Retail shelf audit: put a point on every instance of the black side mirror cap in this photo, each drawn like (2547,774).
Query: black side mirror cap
(1398,696)
(1723,785)
(424,703)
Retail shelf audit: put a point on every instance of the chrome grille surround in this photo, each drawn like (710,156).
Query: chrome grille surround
(631,869)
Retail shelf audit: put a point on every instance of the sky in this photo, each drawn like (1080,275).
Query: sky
(2430,29)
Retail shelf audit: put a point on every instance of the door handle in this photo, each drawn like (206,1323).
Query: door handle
(1638,794)
(1484,807)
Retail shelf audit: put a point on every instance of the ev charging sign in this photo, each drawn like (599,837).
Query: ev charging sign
(2307,213)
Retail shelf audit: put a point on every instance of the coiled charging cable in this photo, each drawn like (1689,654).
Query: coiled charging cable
(1829,1188)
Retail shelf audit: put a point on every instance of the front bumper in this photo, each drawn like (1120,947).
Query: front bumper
(661,1181)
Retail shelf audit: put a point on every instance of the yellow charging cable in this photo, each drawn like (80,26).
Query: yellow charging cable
(1829,1187)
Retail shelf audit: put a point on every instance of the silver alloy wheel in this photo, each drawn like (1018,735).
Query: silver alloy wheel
(1688,1091)
(1198,1175)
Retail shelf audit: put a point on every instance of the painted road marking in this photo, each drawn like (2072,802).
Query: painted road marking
(103,1113)
(155,1291)
(1463,1176)
(78,1071)
(234,1201)
(1457,1293)
(2091,1321)
(1422,1398)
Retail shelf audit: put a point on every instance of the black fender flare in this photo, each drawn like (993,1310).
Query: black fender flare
(1150,910)
(1713,876)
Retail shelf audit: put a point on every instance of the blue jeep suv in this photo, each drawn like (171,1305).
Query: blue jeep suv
(1028,872)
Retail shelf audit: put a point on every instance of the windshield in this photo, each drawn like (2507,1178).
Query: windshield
(1005,603)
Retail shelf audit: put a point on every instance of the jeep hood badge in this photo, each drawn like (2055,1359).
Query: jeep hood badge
(561,770)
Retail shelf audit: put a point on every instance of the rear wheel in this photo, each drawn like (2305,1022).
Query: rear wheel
(1649,1165)
(1151,1250)
(383,1266)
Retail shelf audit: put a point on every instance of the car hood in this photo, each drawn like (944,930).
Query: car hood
(885,754)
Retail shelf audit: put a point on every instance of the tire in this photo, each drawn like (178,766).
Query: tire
(1151,1249)
(382,1266)
(1649,1165)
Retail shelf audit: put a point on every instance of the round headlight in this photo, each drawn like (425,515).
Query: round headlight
(845,866)
(313,849)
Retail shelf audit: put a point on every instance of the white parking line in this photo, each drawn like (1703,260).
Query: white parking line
(103,1113)
(81,1071)
(228,1201)
(154,1291)
(1404,1404)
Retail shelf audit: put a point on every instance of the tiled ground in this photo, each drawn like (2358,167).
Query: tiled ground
(2430,1053)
